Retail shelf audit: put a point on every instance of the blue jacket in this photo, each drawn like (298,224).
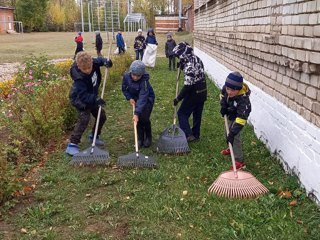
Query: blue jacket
(151,39)
(84,91)
(120,41)
(141,91)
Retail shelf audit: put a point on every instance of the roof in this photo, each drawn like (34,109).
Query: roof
(8,8)
(134,17)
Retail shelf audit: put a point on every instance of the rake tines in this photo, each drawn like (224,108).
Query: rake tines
(136,160)
(173,141)
(237,185)
(90,156)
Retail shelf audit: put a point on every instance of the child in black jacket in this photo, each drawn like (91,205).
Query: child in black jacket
(98,43)
(86,75)
(235,103)
(170,45)
(138,91)
(193,93)
(139,45)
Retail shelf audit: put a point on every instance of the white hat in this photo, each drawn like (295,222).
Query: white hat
(139,30)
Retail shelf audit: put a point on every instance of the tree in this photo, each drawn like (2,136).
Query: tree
(32,13)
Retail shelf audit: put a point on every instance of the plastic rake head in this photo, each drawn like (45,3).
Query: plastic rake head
(136,160)
(173,141)
(240,185)
(90,157)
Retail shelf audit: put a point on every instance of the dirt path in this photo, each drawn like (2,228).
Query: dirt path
(7,70)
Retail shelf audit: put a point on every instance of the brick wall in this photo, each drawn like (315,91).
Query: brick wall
(164,24)
(274,43)
(5,15)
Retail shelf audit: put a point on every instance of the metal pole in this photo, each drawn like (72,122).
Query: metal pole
(98,13)
(82,24)
(89,20)
(105,20)
(111,10)
(180,15)
(92,15)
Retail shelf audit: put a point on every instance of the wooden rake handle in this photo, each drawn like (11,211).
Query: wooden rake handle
(177,90)
(231,148)
(135,131)
(99,111)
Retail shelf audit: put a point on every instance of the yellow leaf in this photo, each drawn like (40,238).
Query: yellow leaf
(293,203)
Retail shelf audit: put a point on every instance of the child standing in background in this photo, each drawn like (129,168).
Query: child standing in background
(170,44)
(120,42)
(98,43)
(139,45)
(79,41)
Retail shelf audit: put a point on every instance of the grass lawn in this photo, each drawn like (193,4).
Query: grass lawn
(16,47)
(109,203)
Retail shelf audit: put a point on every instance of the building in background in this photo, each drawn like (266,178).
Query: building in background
(6,19)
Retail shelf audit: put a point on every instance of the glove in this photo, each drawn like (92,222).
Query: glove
(107,63)
(180,65)
(175,102)
(100,102)
(223,111)
(230,138)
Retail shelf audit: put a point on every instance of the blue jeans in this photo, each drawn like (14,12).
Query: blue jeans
(186,109)
(139,52)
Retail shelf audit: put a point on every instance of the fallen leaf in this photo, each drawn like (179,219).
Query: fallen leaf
(184,193)
(23,230)
(293,203)
(188,177)
(271,183)
(299,222)
(191,225)
(285,194)
(253,143)
(88,195)
(27,189)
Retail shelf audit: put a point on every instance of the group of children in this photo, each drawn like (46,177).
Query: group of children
(79,43)
(137,90)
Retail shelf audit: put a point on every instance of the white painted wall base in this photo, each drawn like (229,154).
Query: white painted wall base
(294,140)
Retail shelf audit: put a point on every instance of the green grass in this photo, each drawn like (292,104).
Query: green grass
(109,203)
(16,47)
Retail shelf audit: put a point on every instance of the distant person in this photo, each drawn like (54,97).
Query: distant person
(235,104)
(120,42)
(79,41)
(139,45)
(151,37)
(86,75)
(170,44)
(98,43)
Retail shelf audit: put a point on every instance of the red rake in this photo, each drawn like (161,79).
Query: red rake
(234,183)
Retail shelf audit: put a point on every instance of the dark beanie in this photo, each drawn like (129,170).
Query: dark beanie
(234,81)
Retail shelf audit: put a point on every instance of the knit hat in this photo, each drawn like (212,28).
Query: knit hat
(97,32)
(182,48)
(137,67)
(234,81)
(79,33)
(169,35)
(139,30)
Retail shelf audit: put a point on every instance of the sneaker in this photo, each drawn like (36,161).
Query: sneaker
(225,152)
(239,165)
(72,149)
(99,142)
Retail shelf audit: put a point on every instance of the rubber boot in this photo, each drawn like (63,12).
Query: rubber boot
(148,139)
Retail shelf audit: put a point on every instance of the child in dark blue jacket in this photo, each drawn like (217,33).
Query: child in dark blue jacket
(138,91)
(86,75)
(170,45)
(151,37)
(120,42)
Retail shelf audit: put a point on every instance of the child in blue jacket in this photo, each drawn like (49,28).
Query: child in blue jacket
(138,91)
(86,75)
(120,42)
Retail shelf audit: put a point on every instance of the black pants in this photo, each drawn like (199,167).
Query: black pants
(186,109)
(144,123)
(83,121)
(121,50)
(172,62)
